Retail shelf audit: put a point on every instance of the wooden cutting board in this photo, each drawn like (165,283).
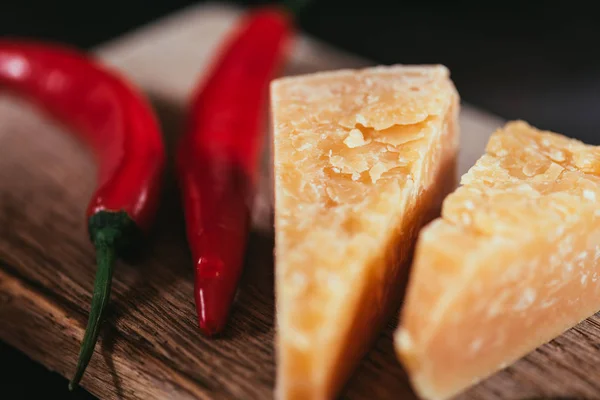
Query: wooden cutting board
(150,347)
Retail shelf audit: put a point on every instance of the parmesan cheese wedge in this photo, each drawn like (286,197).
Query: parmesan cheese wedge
(362,158)
(513,262)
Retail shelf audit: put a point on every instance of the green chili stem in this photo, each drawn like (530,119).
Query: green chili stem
(105,258)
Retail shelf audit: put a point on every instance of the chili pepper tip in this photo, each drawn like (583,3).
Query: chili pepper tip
(213,300)
(209,328)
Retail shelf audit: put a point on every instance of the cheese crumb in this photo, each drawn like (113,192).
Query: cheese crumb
(554,171)
(557,155)
(589,195)
(376,171)
(355,138)
(530,169)
(305,146)
(360,119)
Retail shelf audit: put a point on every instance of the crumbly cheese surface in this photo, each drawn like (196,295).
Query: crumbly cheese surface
(512,263)
(356,156)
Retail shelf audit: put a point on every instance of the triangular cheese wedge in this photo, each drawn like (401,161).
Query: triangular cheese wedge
(362,159)
(512,263)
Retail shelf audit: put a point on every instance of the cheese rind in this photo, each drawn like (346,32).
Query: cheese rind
(512,263)
(362,160)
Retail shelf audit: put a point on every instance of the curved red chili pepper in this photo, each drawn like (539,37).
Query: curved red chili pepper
(119,125)
(217,160)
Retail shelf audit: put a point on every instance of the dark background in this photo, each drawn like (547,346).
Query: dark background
(537,61)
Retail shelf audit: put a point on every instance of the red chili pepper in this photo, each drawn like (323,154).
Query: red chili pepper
(118,124)
(217,160)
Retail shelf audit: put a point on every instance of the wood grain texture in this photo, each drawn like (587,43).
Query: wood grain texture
(150,347)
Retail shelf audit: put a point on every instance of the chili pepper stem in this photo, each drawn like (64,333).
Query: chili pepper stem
(111,232)
(105,258)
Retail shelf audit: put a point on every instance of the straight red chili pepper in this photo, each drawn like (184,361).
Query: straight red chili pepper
(217,160)
(110,115)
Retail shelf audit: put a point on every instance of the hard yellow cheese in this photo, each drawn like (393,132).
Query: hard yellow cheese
(512,263)
(362,160)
